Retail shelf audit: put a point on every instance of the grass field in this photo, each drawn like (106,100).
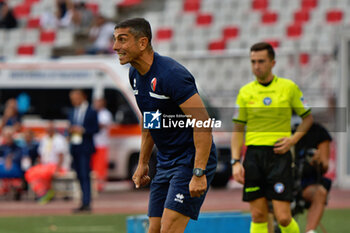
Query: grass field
(335,221)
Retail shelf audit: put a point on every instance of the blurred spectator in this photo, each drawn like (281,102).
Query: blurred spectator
(83,126)
(49,19)
(11,116)
(101,139)
(82,18)
(54,161)
(10,156)
(7,18)
(60,16)
(23,103)
(65,10)
(100,36)
(30,148)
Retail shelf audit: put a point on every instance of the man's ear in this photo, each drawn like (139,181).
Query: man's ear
(143,42)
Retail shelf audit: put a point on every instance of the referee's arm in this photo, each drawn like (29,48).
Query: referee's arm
(284,144)
(237,140)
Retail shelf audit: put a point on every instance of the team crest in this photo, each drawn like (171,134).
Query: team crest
(267,101)
(279,187)
(154,84)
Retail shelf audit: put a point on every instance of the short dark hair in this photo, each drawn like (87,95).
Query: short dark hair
(264,46)
(139,27)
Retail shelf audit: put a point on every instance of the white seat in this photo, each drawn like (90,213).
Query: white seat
(31,36)
(43,50)
(64,37)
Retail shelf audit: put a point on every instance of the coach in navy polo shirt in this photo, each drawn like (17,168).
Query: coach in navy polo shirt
(186,159)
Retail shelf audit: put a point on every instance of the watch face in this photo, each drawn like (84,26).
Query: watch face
(198,172)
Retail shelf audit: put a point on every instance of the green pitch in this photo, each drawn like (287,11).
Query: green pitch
(65,224)
(335,221)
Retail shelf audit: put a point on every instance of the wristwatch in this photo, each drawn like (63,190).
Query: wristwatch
(198,172)
(233,161)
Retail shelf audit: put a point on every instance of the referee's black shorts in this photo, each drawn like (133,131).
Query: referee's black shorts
(267,174)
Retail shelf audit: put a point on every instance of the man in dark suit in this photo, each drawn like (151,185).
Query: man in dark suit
(83,125)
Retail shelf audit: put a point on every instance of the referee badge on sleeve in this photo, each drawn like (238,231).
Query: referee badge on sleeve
(279,187)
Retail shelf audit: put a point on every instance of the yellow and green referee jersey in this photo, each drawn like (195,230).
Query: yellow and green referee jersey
(267,110)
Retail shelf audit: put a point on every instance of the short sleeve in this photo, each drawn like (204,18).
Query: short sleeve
(298,102)
(320,133)
(240,111)
(180,85)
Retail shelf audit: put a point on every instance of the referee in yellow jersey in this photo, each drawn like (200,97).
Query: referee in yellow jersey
(263,110)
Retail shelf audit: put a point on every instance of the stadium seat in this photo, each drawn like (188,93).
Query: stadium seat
(94,7)
(30,36)
(33,23)
(304,59)
(274,42)
(191,5)
(308,4)
(47,36)
(64,37)
(128,3)
(31,1)
(22,11)
(44,50)
(204,19)
(164,34)
(26,50)
(301,16)
(334,16)
(260,4)
(230,32)
(269,17)
(217,45)
(294,30)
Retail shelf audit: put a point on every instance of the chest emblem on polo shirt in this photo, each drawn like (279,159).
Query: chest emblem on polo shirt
(153,84)
(267,101)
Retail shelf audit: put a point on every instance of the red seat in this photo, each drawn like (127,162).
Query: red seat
(230,32)
(274,43)
(301,16)
(164,34)
(31,1)
(191,5)
(94,7)
(204,19)
(22,11)
(33,23)
(217,45)
(260,4)
(294,30)
(308,4)
(269,17)
(304,59)
(47,36)
(127,3)
(25,50)
(334,16)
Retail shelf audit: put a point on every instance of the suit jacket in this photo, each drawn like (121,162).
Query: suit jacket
(90,124)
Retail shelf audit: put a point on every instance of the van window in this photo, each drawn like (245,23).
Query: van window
(43,103)
(119,107)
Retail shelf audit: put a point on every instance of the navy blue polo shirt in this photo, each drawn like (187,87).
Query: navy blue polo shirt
(164,87)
